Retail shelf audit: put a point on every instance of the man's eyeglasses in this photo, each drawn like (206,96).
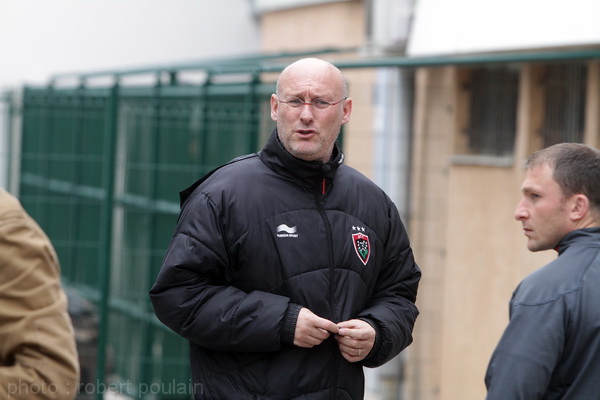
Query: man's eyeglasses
(296,102)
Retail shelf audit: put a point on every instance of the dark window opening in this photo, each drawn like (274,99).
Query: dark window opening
(564,103)
(493,111)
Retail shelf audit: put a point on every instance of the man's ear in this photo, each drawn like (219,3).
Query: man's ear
(347,110)
(580,206)
(274,105)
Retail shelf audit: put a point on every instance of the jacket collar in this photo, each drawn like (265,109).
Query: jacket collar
(276,157)
(580,236)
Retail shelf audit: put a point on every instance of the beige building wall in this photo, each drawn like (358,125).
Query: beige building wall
(429,215)
(486,260)
(592,123)
(471,249)
(332,25)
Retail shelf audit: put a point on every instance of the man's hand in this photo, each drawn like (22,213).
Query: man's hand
(355,338)
(312,330)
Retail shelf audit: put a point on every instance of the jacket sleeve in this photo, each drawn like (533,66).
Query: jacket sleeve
(392,310)
(522,363)
(38,356)
(193,294)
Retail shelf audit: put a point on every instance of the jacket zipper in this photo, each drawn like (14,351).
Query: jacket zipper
(319,199)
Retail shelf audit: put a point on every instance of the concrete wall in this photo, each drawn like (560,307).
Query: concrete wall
(432,144)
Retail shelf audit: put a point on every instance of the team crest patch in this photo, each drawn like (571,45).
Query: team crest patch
(362,246)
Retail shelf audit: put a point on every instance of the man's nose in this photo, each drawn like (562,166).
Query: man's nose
(520,212)
(306,112)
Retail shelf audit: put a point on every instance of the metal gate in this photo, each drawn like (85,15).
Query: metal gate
(101,168)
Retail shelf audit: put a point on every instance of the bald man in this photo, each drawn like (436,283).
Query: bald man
(289,271)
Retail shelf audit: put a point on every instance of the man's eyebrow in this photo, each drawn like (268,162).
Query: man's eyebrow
(530,189)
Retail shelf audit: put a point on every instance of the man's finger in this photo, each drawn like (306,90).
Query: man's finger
(327,325)
(355,328)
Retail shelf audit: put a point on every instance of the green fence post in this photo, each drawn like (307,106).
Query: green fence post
(203,99)
(108,177)
(253,104)
(9,99)
(147,370)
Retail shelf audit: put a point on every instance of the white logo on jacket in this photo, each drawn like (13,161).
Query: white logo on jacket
(286,231)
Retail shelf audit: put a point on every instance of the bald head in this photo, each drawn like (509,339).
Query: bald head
(310,107)
(316,69)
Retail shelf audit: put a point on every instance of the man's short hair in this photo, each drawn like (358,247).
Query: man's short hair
(575,167)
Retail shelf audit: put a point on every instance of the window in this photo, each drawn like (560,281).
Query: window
(564,103)
(489,99)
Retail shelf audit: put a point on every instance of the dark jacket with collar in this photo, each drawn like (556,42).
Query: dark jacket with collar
(265,235)
(551,347)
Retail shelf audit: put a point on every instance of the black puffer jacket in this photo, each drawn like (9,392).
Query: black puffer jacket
(261,237)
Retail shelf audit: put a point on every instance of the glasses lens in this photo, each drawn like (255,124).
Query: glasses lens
(320,104)
(295,102)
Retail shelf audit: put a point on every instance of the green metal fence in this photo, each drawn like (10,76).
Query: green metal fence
(100,171)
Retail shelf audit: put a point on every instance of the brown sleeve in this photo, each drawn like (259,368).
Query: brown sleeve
(38,356)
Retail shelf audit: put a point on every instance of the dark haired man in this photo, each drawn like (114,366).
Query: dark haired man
(551,347)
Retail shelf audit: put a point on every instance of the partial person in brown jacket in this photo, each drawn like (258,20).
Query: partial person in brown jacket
(38,357)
